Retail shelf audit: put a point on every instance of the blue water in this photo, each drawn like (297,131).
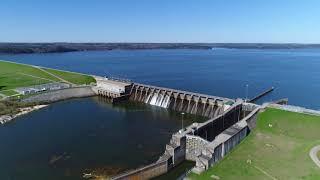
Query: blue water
(71,137)
(223,72)
(83,135)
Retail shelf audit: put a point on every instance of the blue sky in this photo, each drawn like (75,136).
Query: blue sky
(274,21)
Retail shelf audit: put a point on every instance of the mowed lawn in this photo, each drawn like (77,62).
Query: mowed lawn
(13,75)
(75,78)
(8,92)
(277,149)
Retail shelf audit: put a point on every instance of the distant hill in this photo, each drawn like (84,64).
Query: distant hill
(18,48)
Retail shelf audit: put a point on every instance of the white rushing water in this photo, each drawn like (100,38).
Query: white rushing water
(166,101)
(148,98)
(154,99)
(157,99)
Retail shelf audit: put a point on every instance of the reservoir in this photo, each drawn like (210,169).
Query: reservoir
(90,134)
(222,72)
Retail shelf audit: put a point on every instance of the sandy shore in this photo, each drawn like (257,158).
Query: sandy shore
(7,118)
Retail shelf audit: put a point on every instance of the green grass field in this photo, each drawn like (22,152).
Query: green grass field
(277,152)
(75,78)
(9,92)
(14,75)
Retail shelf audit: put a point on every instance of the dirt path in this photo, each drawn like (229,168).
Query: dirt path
(313,154)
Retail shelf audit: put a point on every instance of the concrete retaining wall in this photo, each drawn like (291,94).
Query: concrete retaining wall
(234,140)
(213,127)
(224,142)
(251,118)
(238,132)
(62,94)
(147,172)
(295,109)
(190,144)
(195,145)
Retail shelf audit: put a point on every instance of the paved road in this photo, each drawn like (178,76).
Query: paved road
(313,154)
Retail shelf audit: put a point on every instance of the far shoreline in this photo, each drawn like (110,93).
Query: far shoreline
(64,47)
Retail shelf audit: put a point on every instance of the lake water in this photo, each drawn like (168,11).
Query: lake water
(223,72)
(70,137)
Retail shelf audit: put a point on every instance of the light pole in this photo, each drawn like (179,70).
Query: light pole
(245,101)
(239,114)
(182,120)
(247,91)
(223,121)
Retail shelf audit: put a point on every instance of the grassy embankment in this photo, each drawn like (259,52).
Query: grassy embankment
(75,78)
(8,92)
(277,149)
(13,75)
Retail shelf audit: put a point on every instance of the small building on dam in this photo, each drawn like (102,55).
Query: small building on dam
(112,88)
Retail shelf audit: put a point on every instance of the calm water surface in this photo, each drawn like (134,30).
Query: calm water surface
(224,72)
(70,137)
(83,135)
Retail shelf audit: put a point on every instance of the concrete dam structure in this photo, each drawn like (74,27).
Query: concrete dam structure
(204,143)
(178,100)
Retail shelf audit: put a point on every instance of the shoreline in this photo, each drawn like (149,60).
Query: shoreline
(8,118)
(65,47)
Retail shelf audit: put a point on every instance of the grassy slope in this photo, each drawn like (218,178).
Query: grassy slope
(8,92)
(282,151)
(75,78)
(13,75)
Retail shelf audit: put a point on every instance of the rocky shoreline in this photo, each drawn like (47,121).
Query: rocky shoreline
(7,118)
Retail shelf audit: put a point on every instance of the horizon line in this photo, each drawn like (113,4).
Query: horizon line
(88,42)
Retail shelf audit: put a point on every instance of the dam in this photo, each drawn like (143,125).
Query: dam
(229,121)
(177,100)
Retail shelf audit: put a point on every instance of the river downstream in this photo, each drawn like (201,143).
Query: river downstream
(70,137)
